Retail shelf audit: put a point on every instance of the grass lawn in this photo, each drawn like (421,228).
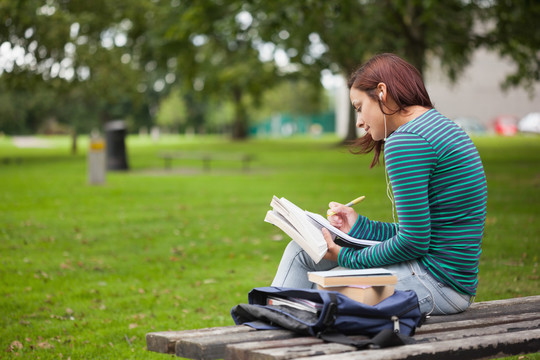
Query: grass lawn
(86,271)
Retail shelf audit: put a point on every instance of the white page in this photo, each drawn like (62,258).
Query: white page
(311,238)
(353,272)
(334,230)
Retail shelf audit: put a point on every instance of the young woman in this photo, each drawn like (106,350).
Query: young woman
(439,194)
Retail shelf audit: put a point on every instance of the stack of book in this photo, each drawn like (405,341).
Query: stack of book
(368,286)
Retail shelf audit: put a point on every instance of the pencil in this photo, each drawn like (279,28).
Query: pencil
(350,203)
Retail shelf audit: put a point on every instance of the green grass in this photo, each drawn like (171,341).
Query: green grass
(86,271)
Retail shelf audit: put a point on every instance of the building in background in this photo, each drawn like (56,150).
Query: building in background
(477,94)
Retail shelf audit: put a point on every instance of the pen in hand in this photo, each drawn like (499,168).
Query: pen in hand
(351,203)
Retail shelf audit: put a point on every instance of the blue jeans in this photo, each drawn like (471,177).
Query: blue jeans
(434,297)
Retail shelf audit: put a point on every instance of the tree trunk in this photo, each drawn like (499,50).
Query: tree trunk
(239,128)
(74,142)
(415,34)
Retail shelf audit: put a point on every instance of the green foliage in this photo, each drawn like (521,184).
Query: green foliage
(218,56)
(298,97)
(82,55)
(99,60)
(342,34)
(86,271)
(172,111)
(515,35)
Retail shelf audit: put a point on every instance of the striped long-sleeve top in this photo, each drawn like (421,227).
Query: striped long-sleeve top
(440,194)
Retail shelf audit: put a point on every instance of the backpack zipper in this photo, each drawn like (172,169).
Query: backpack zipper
(395,318)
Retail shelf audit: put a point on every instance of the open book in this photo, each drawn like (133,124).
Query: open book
(304,228)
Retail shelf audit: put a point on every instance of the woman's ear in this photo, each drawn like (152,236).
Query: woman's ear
(381,91)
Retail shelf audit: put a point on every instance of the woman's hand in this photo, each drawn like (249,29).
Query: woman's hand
(333,249)
(344,217)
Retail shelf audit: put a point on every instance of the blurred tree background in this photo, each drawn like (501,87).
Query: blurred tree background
(221,65)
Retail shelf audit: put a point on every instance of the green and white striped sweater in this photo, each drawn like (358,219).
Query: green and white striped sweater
(440,192)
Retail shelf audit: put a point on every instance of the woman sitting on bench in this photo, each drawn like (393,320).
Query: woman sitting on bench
(439,193)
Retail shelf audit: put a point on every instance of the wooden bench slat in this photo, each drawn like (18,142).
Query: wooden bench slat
(307,351)
(251,350)
(213,347)
(272,350)
(477,323)
(206,158)
(500,328)
(242,351)
(491,308)
(165,341)
(477,347)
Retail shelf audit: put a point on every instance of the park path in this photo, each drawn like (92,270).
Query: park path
(30,142)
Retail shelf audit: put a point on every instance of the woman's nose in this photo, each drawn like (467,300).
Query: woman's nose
(359,121)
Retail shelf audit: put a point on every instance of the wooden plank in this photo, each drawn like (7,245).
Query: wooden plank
(477,347)
(492,308)
(503,328)
(307,351)
(199,155)
(243,351)
(165,341)
(206,158)
(289,348)
(477,323)
(294,348)
(213,346)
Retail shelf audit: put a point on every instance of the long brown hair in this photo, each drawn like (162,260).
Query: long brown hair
(404,84)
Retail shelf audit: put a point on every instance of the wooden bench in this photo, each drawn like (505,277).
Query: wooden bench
(206,158)
(8,160)
(488,329)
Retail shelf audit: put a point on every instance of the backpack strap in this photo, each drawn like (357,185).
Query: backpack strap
(331,312)
(385,338)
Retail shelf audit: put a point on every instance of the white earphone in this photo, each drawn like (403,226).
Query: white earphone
(380,99)
(389,192)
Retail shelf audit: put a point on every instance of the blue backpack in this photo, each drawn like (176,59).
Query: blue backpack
(334,316)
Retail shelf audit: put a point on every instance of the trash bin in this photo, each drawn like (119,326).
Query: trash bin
(115,134)
(96,160)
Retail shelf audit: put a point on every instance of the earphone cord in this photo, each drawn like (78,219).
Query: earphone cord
(389,192)
(390,195)
(384,115)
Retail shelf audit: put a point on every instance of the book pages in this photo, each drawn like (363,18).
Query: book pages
(295,223)
(304,228)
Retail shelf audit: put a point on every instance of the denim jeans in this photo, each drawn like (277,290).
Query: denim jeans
(434,297)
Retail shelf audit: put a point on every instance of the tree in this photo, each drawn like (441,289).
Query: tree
(172,111)
(338,35)
(512,31)
(216,54)
(84,52)
(120,58)
(294,97)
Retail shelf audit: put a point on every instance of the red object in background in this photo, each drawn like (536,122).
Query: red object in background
(506,125)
